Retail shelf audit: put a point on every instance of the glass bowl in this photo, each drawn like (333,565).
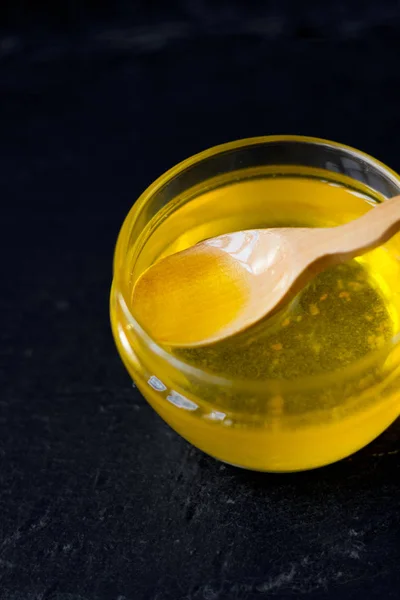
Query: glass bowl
(212,411)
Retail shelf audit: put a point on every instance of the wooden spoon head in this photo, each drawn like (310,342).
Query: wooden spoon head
(217,288)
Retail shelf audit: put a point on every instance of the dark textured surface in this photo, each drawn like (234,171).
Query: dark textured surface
(45,30)
(99,499)
(271,18)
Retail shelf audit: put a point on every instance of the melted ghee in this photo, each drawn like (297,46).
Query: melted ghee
(340,317)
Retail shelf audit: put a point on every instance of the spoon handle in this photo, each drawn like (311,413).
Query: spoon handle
(367,232)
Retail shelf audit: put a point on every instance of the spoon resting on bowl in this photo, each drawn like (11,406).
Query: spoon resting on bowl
(226,284)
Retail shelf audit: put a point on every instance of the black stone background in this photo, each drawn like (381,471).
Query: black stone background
(99,499)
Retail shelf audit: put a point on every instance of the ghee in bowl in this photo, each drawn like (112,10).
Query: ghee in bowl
(308,385)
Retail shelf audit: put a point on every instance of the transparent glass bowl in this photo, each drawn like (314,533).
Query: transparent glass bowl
(190,399)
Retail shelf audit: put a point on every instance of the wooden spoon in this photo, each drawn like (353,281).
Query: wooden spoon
(223,285)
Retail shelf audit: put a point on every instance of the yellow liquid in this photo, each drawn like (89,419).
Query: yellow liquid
(343,315)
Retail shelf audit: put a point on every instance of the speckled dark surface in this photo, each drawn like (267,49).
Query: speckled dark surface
(99,499)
